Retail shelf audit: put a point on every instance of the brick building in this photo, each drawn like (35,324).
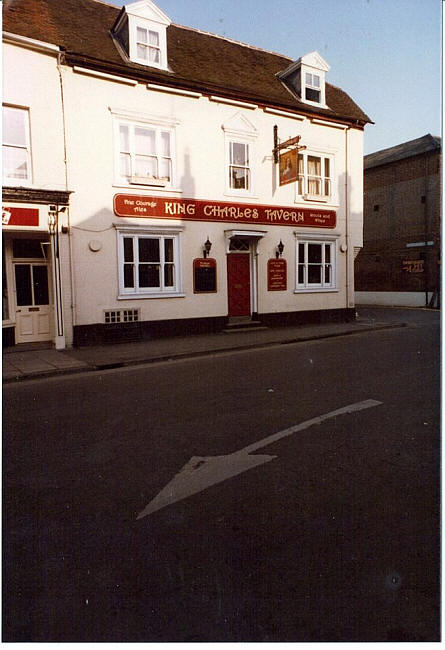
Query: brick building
(400,260)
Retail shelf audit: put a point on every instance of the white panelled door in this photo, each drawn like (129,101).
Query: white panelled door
(33,310)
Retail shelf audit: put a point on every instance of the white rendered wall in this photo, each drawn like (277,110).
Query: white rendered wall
(200,174)
(31,81)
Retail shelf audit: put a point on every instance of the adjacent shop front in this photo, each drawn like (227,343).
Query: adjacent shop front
(32,310)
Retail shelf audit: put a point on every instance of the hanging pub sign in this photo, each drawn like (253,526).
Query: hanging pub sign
(160,207)
(288,167)
(204,275)
(276,275)
(286,153)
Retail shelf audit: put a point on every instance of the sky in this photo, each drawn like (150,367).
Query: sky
(386,54)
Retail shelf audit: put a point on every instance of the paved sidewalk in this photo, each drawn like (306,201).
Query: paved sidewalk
(21,364)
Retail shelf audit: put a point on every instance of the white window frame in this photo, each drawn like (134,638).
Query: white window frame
(312,86)
(320,73)
(10,180)
(303,179)
(249,142)
(154,123)
(239,129)
(306,239)
(243,191)
(148,26)
(147,46)
(135,233)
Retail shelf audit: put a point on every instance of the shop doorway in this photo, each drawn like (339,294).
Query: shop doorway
(238,284)
(32,298)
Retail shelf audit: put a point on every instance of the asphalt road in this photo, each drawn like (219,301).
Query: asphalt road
(335,537)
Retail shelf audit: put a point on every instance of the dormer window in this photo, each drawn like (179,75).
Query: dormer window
(312,87)
(141,31)
(148,45)
(305,79)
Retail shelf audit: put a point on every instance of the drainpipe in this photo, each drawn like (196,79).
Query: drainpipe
(348,253)
(425,225)
(70,245)
(53,227)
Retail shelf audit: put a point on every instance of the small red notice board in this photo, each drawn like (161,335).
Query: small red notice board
(204,275)
(276,275)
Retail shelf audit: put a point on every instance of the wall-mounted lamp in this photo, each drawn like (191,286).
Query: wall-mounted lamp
(53,219)
(55,208)
(207,247)
(280,249)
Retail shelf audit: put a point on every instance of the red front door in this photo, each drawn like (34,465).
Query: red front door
(238,281)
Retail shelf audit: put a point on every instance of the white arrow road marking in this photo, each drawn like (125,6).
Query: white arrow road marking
(203,471)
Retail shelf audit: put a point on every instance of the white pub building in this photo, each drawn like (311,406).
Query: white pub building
(161,180)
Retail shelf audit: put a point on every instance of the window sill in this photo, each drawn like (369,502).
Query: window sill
(316,290)
(303,201)
(319,104)
(150,64)
(145,296)
(315,198)
(240,194)
(147,188)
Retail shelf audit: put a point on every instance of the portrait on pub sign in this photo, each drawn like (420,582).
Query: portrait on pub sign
(288,167)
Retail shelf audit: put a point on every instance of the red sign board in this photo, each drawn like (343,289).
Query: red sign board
(276,275)
(160,207)
(204,275)
(20,216)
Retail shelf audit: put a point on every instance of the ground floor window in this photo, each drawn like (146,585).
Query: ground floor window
(149,263)
(316,265)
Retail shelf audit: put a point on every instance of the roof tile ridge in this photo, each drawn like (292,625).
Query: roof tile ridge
(328,83)
(231,40)
(400,145)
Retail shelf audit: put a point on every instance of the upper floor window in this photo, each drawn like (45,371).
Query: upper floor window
(312,87)
(239,166)
(141,30)
(16,146)
(148,45)
(145,154)
(240,136)
(315,176)
(305,78)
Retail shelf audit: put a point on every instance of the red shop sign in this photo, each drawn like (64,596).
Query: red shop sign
(159,207)
(20,216)
(276,275)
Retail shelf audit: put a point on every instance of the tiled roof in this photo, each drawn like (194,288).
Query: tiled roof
(405,150)
(198,61)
